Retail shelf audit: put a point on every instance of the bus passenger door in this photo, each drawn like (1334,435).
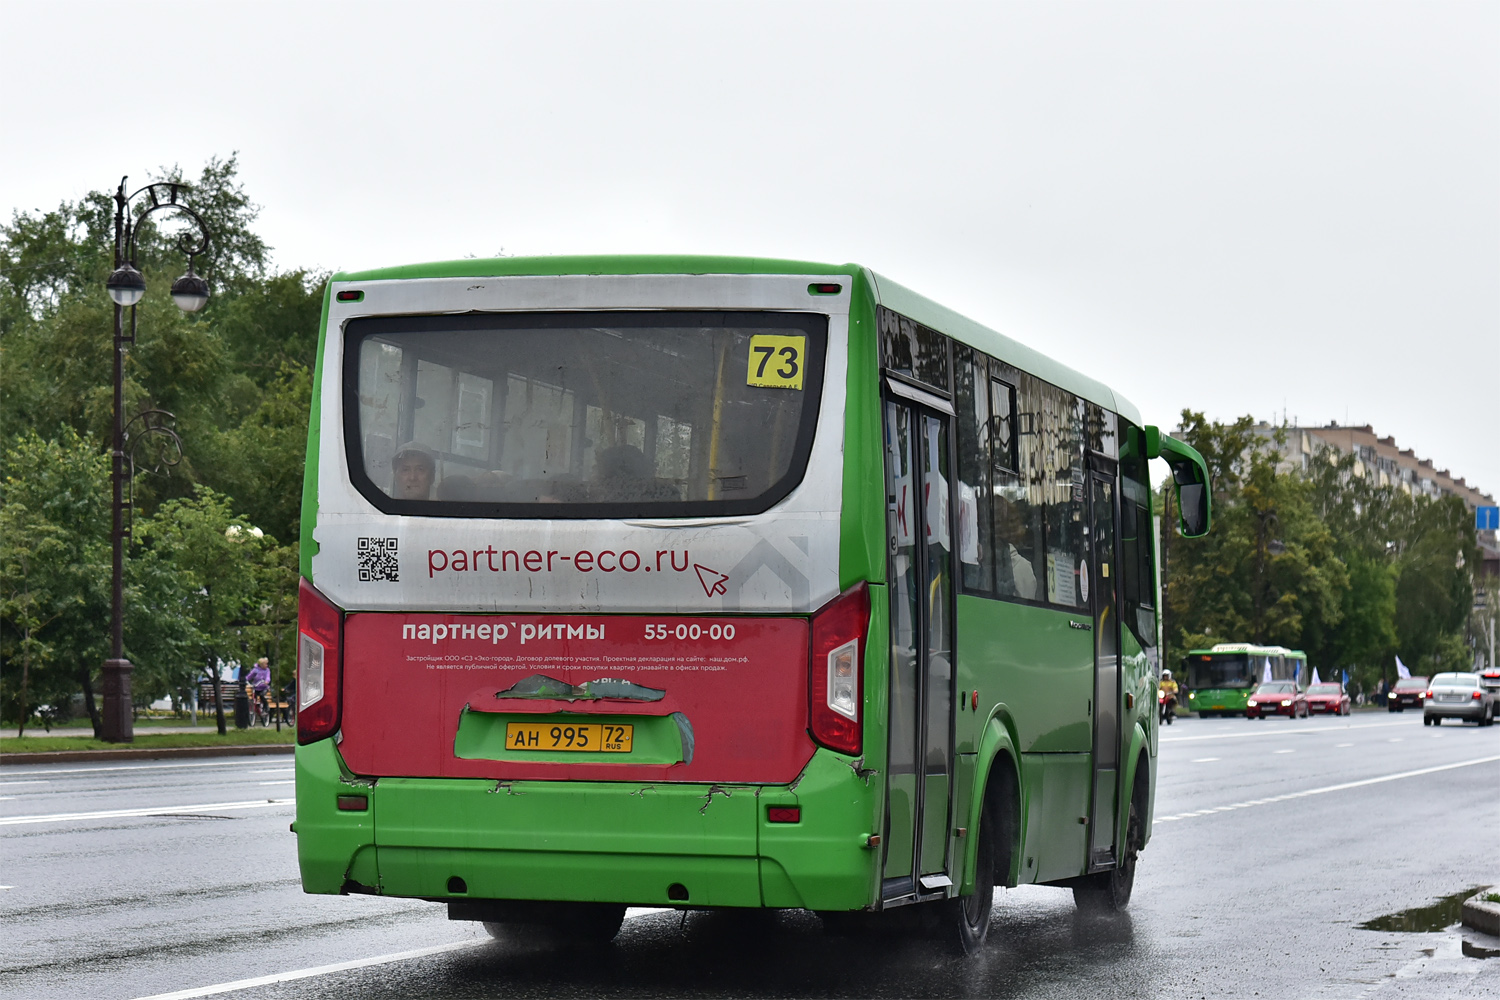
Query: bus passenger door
(1103,572)
(921,661)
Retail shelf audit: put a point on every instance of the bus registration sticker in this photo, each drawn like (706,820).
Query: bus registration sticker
(776,362)
(588,737)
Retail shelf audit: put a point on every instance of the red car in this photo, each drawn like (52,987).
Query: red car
(1328,699)
(1408,693)
(1276,698)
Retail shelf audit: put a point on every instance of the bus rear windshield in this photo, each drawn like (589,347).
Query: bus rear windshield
(1219,672)
(599,414)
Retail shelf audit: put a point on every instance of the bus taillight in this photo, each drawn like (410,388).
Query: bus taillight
(835,669)
(319,665)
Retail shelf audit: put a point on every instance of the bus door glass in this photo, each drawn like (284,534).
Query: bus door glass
(1102,570)
(921,674)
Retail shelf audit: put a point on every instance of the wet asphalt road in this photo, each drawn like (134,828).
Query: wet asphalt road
(1261,866)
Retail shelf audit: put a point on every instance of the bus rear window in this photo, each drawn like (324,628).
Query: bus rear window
(601,414)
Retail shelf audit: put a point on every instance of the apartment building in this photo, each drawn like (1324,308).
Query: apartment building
(1380,459)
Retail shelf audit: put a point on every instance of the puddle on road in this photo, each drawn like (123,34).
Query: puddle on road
(1444,913)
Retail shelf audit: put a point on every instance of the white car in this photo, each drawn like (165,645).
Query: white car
(1458,696)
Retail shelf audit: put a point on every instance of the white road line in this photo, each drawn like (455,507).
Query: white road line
(319,970)
(275,782)
(13,784)
(1205,760)
(1283,751)
(1316,731)
(152,811)
(277,770)
(136,767)
(1328,788)
(1338,745)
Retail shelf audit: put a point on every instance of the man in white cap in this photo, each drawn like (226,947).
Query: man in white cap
(412,471)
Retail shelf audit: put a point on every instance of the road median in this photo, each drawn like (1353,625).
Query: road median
(69,749)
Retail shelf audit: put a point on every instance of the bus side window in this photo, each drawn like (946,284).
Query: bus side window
(1135,537)
(1020,499)
(971,402)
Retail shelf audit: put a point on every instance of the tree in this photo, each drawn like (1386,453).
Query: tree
(54,572)
(1267,572)
(237,581)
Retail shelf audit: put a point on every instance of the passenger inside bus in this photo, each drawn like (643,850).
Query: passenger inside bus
(413,470)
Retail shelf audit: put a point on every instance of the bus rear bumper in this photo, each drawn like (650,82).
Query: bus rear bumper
(645,845)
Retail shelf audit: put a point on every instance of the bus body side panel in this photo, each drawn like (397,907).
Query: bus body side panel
(822,862)
(862,549)
(307,548)
(331,841)
(1028,660)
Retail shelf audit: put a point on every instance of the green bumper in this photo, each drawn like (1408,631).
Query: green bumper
(589,841)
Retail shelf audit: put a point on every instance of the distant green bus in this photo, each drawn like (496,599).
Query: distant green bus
(717,582)
(1219,681)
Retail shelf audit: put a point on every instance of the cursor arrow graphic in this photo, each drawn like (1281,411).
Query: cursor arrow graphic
(713,581)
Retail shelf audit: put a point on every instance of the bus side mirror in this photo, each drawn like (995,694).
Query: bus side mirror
(1152,440)
(1190,479)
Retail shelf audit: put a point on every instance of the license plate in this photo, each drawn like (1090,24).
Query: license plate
(585,737)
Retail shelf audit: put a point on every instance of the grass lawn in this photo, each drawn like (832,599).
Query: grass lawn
(235,737)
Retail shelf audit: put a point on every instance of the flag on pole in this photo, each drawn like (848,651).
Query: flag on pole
(1315,676)
(1267,676)
(1401,672)
(1346,678)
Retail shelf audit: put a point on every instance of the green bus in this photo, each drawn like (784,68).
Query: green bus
(1220,680)
(717,582)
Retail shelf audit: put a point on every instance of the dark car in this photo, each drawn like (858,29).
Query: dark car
(1458,696)
(1327,699)
(1276,698)
(1409,692)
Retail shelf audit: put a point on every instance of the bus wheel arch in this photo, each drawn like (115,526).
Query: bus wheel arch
(990,858)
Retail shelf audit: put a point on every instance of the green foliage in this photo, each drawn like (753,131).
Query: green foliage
(54,570)
(1322,560)
(237,376)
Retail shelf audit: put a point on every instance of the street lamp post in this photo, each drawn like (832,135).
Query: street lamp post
(126,287)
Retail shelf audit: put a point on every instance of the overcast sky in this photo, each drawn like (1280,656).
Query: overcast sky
(1235,207)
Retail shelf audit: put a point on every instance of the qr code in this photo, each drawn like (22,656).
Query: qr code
(377,560)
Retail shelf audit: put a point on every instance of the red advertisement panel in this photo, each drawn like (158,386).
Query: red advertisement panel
(707,699)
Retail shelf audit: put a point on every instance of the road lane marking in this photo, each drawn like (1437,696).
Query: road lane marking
(361,963)
(1205,760)
(278,770)
(13,784)
(152,811)
(1328,788)
(238,762)
(1338,745)
(276,782)
(319,970)
(1279,732)
(1283,751)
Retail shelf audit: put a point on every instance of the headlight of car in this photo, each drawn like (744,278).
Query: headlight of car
(1285,702)
(1251,703)
(1192,694)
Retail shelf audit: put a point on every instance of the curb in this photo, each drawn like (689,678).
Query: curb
(1482,915)
(73,756)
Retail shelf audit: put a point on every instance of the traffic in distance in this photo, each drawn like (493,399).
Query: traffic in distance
(1237,678)
(718,582)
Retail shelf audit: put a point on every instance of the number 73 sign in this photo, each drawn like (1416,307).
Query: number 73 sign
(776,362)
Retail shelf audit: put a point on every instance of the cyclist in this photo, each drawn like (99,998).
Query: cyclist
(259,679)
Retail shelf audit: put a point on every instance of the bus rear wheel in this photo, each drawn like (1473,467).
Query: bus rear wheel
(1109,892)
(970,915)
